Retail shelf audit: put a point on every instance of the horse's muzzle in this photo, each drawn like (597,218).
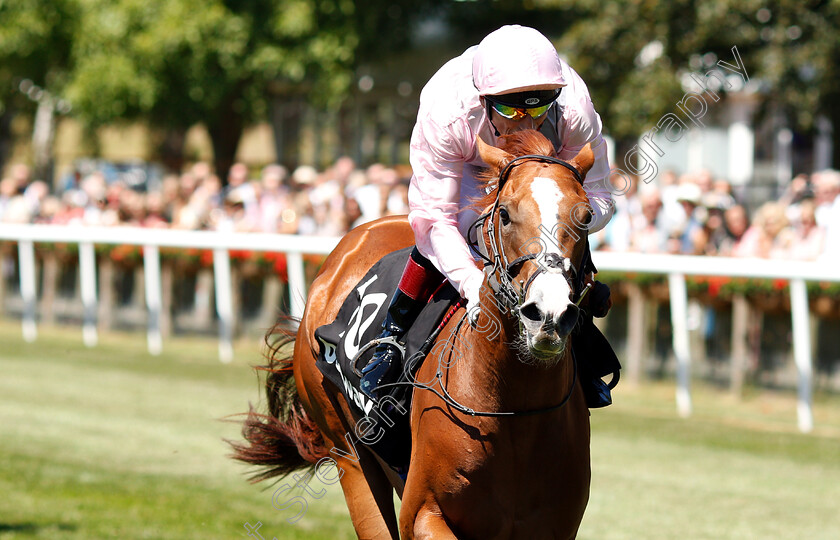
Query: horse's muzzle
(546,333)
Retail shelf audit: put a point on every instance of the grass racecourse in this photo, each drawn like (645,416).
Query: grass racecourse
(110,442)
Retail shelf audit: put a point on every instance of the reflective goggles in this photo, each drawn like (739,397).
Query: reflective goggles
(518,113)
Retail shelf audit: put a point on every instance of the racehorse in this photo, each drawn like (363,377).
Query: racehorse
(500,428)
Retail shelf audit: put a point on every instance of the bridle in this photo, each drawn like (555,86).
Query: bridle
(500,270)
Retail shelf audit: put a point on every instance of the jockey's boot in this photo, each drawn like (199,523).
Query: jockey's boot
(419,281)
(595,391)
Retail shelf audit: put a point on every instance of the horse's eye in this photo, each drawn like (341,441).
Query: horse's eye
(504,216)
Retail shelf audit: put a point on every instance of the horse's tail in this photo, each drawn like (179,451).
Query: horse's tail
(286,439)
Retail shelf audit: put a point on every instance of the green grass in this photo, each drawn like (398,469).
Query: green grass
(736,470)
(110,442)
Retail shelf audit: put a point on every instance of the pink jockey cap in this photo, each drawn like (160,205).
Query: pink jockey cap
(513,58)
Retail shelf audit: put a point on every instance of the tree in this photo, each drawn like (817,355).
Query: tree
(634,53)
(35,63)
(175,63)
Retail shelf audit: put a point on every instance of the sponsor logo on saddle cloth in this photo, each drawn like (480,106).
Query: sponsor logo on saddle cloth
(359,321)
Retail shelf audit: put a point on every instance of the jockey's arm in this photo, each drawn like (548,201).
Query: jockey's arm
(437,159)
(584,126)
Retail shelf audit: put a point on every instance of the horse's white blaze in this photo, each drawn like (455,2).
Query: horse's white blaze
(550,291)
(547,196)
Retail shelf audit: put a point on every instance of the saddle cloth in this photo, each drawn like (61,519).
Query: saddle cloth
(385,428)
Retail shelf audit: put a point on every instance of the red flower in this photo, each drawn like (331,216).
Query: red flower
(279,264)
(240,254)
(206,258)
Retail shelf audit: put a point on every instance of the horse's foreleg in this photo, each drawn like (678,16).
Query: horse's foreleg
(370,499)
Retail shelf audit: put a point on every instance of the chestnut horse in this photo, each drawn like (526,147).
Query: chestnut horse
(500,446)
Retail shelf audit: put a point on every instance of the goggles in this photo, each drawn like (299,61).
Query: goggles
(517,106)
(518,113)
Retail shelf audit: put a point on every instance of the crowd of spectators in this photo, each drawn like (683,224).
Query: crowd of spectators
(697,214)
(688,214)
(307,201)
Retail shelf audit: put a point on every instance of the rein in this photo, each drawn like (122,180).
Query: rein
(447,398)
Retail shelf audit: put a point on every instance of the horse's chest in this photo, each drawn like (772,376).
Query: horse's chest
(518,489)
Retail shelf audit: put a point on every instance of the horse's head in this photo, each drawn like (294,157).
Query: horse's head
(534,231)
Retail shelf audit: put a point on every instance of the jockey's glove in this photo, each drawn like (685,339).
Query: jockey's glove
(599,300)
(472,294)
(472,314)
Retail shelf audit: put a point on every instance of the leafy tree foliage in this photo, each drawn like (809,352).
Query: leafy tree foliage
(175,63)
(35,43)
(791,47)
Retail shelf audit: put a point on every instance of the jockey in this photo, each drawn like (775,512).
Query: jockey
(513,80)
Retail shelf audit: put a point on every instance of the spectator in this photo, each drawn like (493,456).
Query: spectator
(239,181)
(735,225)
(170,196)
(831,251)
(274,199)
(34,194)
(716,203)
(796,191)
(673,215)
(365,195)
(397,203)
(352,214)
(8,191)
(769,236)
(155,211)
(826,191)
(21,176)
(808,238)
(232,216)
(648,234)
(369,194)
(303,178)
(705,181)
(691,237)
(304,215)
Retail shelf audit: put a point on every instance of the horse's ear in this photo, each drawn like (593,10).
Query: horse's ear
(583,160)
(494,157)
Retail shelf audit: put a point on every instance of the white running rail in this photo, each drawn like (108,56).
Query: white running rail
(676,267)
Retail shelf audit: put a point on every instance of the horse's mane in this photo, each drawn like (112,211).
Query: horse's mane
(520,143)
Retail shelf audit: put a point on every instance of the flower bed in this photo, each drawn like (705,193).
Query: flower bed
(768,295)
(252,264)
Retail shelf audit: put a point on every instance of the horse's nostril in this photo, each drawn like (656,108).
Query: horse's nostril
(531,312)
(569,318)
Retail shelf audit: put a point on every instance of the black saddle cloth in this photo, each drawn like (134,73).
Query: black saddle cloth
(385,427)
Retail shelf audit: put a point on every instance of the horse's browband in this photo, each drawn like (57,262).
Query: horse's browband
(505,172)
